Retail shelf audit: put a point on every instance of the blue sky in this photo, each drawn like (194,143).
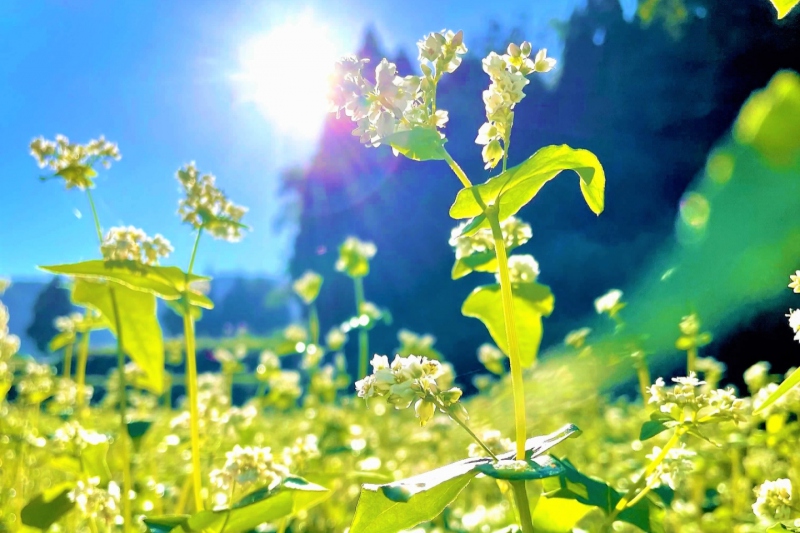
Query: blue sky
(155,76)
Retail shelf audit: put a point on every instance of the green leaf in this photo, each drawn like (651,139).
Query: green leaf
(557,515)
(94,463)
(787,385)
(770,119)
(293,495)
(781,528)
(517,186)
(646,514)
(138,428)
(46,508)
(141,334)
(403,504)
(512,470)
(784,6)
(531,302)
(61,340)
(169,283)
(418,143)
(651,428)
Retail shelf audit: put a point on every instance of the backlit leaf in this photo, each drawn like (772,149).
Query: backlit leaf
(46,508)
(418,143)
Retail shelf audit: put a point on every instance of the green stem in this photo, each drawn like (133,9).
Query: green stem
(643,373)
(466,428)
(457,170)
(631,495)
(507,141)
(80,372)
(127,484)
(67,373)
(511,331)
(691,360)
(191,386)
(313,323)
(523,507)
(96,218)
(363,336)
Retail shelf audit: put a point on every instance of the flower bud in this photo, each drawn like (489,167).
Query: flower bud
(424,410)
(513,50)
(525,48)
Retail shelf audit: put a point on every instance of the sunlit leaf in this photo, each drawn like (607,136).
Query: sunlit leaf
(557,515)
(46,508)
(532,301)
(142,340)
(651,428)
(646,514)
(418,143)
(402,504)
(784,6)
(770,120)
(94,462)
(788,384)
(517,186)
(168,283)
(293,495)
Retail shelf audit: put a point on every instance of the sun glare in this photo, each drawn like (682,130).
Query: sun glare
(285,71)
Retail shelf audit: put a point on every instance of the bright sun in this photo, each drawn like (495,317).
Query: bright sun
(285,73)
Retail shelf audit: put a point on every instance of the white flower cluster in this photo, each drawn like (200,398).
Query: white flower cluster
(508,78)
(307,286)
(230,360)
(522,269)
(335,338)
(132,244)
(394,103)
(515,233)
(492,358)
(247,467)
(206,206)
(774,500)
(354,250)
(610,302)
(37,382)
(676,464)
(65,395)
(493,440)
(577,337)
(794,281)
(303,450)
(794,322)
(96,503)
(61,155)
(688,401)
(408,379)
(9,344)
(757,376)
(73,434)
(268,365)
(711,369)
(284,389)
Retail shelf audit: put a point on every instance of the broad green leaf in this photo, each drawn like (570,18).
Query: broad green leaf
(479,262)
(770,120)
(517,186)
(169,283)
(46,508)
(418,143)
(61,340)
(138,428)
(141,334)
(651,428)
(784,6)
(646,514)
(788,384)
(557,515)
(403,504)
(512,470)
(531,302)
(293,495)
(93,461)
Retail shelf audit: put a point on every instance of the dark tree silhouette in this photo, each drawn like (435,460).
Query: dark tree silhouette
(51,303)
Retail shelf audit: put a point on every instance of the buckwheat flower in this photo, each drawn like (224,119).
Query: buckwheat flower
(132,244)
(335,338)
(774,500)
(206,206)
(4,285)
(249,467)
(307,286)
(442,50)
(72,435)
(492,358)
(757,376)
(65,395)
(794,282)
(522,269)
(676,464)
(542,63)
(284,389)
(515,234)
(37,383)
(304,450)
(794,322)
(577,338)
(268,365)
(74,162)
(711,369)
(9,345)
(354,256)
(727,404)
(95,503)
(609,303)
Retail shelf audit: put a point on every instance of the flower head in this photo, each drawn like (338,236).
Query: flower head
(774,500)
(354,256)
(307,286)
(74,162)
(132,244)
(206,206)
(794,281)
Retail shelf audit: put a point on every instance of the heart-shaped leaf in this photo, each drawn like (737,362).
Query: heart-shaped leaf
(46,508)
(403,504)
(418,143)
(531,302)
(293,495)
(141,334)
(518,185)
(651,428)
